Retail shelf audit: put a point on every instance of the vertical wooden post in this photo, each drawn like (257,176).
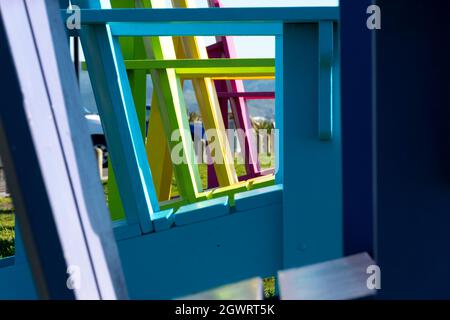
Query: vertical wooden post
(412,150)
(311,177)
(72,232)
(357,155)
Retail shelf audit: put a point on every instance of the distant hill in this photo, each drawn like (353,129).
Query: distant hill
(258,108)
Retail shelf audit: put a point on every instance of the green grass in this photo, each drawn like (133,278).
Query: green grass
(6,205)
(6,227)
(6,234)
(269,287)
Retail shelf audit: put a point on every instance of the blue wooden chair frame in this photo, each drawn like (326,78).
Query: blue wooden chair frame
(296,222)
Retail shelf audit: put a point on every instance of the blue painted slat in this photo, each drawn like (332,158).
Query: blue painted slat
(258,198)
(279,110)
(163,220)
(286,14)
(139,158)
(121,126)
(6,262)
(123,230)
(325,80)
(203,210)
(196,29)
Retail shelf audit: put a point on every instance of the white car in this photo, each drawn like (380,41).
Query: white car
(97,135)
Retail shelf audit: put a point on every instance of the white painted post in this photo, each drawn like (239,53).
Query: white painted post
(99,154)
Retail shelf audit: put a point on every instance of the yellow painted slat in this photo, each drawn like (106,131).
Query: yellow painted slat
(209,107)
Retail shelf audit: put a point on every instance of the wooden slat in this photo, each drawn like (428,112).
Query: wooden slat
(325,80)
(245,290)
(340,279)
(201,211)
(132,48)
(268,15)
(224,48)
(197,63)
(247,95)
(249,73)
(209,106)
(152,29)
(173,112)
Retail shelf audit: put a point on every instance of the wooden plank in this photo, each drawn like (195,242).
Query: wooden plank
(357,132)
(229,191)
(164,219)
(251,199)
(247,95)
(325,79)
(153,29)
(251,289)
(197,63)
(173,113)
(225,49)
(208,103)
(58,173)
(312,173)
(411,162)
(132,48)
(203,210)
(236,15)
(279,110)
(117,110)
(249,73)
(123,230)
(340,279)
(158,153)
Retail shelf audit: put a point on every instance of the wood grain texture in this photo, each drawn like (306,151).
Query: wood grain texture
(251,289)
(209,106)
(340,279)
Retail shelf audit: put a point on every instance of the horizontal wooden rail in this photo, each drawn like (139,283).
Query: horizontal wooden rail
(198,63)
(265,15)
(248,95)
(249,73)
(142,29)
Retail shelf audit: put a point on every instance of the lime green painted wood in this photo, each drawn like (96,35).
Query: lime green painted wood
(227,73)
(173,111)
(230,191)
(158,153)
(132,48)
(208,103)
(198,63)
(147,64)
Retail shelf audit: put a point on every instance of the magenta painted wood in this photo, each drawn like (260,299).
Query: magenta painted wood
(247,95)
(233,91)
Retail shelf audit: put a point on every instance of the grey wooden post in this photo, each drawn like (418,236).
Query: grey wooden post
(58,196)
